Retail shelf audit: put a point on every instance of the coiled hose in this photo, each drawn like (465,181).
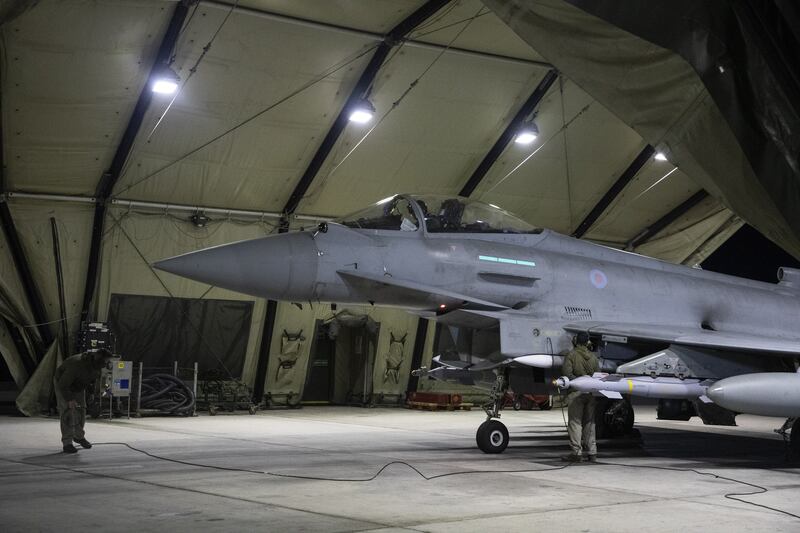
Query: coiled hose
(168,394)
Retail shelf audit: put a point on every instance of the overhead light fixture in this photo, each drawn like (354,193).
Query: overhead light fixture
(199,219)
(527,133)
(166,81)
(362,112)
(660,156)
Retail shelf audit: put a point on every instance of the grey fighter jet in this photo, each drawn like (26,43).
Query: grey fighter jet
(726,344)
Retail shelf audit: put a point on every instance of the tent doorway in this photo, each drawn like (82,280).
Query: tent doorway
(342,361)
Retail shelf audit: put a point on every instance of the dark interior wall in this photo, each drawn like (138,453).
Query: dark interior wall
(5,373)
(749,254)
(158,330)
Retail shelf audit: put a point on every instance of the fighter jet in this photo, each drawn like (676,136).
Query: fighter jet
(728,345)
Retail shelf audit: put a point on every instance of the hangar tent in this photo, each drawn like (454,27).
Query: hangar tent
(256,138)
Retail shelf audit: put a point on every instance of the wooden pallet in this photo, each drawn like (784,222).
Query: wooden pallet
(429,406)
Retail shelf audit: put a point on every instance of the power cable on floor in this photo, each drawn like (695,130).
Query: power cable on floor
(344,480)
(731,495)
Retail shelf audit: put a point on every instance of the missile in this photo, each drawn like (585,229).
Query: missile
(557,361)
(647,387)
(540,360)
(766,394)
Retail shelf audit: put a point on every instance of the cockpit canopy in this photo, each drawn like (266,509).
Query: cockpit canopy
(440,214)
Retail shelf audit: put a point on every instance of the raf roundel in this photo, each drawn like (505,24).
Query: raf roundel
(598,279)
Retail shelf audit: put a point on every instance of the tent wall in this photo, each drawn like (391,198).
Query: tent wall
(133,240)
(292,319)
(12,294)
(74,220)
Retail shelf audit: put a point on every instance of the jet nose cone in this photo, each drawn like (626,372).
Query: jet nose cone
(280,267)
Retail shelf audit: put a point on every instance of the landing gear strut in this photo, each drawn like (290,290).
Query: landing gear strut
(790,431)
(492,435)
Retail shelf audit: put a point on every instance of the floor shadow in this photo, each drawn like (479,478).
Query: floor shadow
(66,458)
(688,449)
(703,449)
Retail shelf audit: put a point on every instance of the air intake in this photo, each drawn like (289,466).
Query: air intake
(789,278)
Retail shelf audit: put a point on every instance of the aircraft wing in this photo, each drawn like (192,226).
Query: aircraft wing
(436,295)
(721,340)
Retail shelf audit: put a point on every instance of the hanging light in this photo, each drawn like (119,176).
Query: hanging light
(165,81)
(199,219)
(527,133)
(362,112)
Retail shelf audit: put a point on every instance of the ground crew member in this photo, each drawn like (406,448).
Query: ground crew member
(580,362)
(70,380)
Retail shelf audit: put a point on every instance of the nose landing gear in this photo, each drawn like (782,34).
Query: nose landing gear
(492,435)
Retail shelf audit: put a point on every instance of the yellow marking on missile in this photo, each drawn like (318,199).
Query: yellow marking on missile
(630,386)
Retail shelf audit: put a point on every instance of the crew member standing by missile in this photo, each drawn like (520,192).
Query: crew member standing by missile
(71,379)
(580,362)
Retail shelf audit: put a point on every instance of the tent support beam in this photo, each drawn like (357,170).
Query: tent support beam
(654,228)
(263,351)
(361,90)
(508,134)
(109,179)
(345,30)
(612,193)
(25,275)
(27,358)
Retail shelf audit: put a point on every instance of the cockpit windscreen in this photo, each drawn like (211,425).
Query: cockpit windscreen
(461,215)
(394,213)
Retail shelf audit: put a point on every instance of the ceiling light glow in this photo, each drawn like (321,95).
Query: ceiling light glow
(527,133)
(525,137)
(362,112)
(660,157)
(165,86)
(165,80)
(360,116)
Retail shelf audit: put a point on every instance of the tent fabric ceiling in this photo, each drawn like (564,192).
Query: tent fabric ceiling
(431,142)
(434,139)
(664,99)
(256,166)
(74,71)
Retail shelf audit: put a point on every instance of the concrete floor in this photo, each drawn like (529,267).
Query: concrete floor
(112,488)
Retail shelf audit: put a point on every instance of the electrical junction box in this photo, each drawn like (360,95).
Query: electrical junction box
(121,377)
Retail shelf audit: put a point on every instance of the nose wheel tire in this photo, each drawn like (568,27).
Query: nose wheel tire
(492,437)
